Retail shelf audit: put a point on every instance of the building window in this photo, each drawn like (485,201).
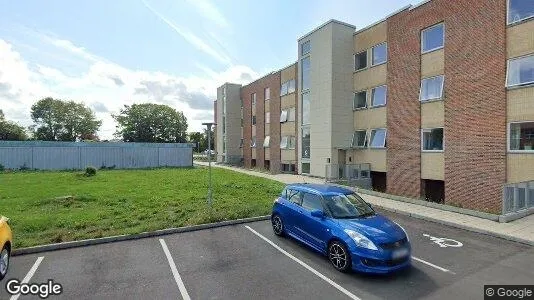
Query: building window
(431,88)
(224,147)
(291,142)
(291,114)
(360,100)
(306,142)
(241,144)
(224,124)
(522,136)
(305,48)
(378,138)
(519,10)
(267,93)
(521,71)
(241,122)
(305,168)
(267,117)
(253,142)
(253,98)
(360,60)
(432,139)
(241,99)
(283,116)
(253,120)
(291,86)
(306,109)
(305,73)
(359,139)
(287,142)
(432,38)
(284,89)
(266,142)
(379,54)
(379,96)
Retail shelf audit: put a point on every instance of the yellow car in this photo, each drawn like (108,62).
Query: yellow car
(6,240)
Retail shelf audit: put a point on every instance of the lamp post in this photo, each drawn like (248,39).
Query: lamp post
(208,125)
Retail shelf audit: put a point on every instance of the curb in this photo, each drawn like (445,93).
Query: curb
(135,236)
(460,226)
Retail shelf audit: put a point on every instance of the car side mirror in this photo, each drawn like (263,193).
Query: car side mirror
(317,213)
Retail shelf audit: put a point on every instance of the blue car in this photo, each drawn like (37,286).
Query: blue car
(341,225)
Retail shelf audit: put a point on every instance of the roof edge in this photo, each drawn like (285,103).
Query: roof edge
(384,18)
(323,25)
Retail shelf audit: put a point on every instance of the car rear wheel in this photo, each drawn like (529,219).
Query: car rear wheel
(339,256)
(278,225)
(4,262)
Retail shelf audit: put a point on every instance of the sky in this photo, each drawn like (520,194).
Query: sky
(107,54)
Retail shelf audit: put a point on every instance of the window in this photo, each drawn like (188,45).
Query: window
(267,93)
(522,136)
(266,142)
(311,202)
(360,100)
(253,98)
(241,99)
(360,60)
(224,124)
(305,108)
(284,89)
(294,196)
(359,139)
(305,73)
(379,54)
(241,122)
(253,120)
(305,168)
(378,96)
(291,86)
(291,114)
(267,117)
(241,144)
(521,71)
(305,48)
(283,116)
(284,142)
(432,139)
(432,38)
(288,168)
(519,10)
(224,147)
(291,142)
(431,88)
(253,142)
(306,142)
(378,138)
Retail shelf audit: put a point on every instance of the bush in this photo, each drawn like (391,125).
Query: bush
(2,168)
(90,171)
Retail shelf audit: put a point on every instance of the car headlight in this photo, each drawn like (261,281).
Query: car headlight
(406,233)
(361,240)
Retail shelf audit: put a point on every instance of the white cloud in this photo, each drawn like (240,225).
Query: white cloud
(210,12)
(106,87)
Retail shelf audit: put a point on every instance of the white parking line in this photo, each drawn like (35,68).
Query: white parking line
(29,275)
(174,270)
(432,265)
(337,286)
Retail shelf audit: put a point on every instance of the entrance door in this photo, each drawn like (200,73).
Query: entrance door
(341,156)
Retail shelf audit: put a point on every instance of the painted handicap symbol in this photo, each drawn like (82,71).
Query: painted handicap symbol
(444,242)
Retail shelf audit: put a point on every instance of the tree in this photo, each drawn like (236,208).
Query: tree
(57,120)
(196,138)
(152,123)
(11,131)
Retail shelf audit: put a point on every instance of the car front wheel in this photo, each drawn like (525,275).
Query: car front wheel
(4,262)
(339,256)
(278,225)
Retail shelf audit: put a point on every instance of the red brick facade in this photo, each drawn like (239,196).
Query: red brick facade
(474,98)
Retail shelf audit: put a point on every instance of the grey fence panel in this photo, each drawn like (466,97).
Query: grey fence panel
(16,157)
(176,157)
(60,158)
(101,157)
(139,157)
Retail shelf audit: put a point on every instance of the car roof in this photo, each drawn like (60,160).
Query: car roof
(323,189)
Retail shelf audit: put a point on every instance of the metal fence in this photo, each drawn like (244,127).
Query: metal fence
(78,155)
(352,174)
(518,196)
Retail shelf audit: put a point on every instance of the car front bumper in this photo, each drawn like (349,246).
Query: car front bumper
(379,262)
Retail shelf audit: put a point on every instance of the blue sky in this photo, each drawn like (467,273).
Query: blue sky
(110,53)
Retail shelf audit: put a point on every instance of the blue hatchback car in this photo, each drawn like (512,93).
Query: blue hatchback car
(341,225)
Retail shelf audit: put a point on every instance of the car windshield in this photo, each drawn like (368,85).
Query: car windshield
(347,206)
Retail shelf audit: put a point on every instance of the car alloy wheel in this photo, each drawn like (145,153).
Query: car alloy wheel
(4,262)
(339,257)
(278,225)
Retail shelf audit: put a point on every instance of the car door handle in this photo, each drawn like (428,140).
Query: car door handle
(300,211)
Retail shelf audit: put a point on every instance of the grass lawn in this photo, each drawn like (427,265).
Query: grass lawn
(51,207)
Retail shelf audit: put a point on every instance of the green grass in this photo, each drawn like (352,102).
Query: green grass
(51,207)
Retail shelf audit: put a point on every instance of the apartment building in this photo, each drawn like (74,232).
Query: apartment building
(437,99)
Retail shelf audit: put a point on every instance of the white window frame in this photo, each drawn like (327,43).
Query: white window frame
(352,145)
(508,22)
(284,145)
(371,134)
(289,84)
(366,60)
(373,54)
(373,94)
(291,114)
(267,141)
(423,130)
(422,40)
(267,97)
(253,142)
(267,117)
(508,71)
(508,136)
(253,96)
(433,99)
(283,116)
(286,84)
(291,142)
(353,100)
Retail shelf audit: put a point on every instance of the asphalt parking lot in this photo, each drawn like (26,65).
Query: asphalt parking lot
(248,261)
